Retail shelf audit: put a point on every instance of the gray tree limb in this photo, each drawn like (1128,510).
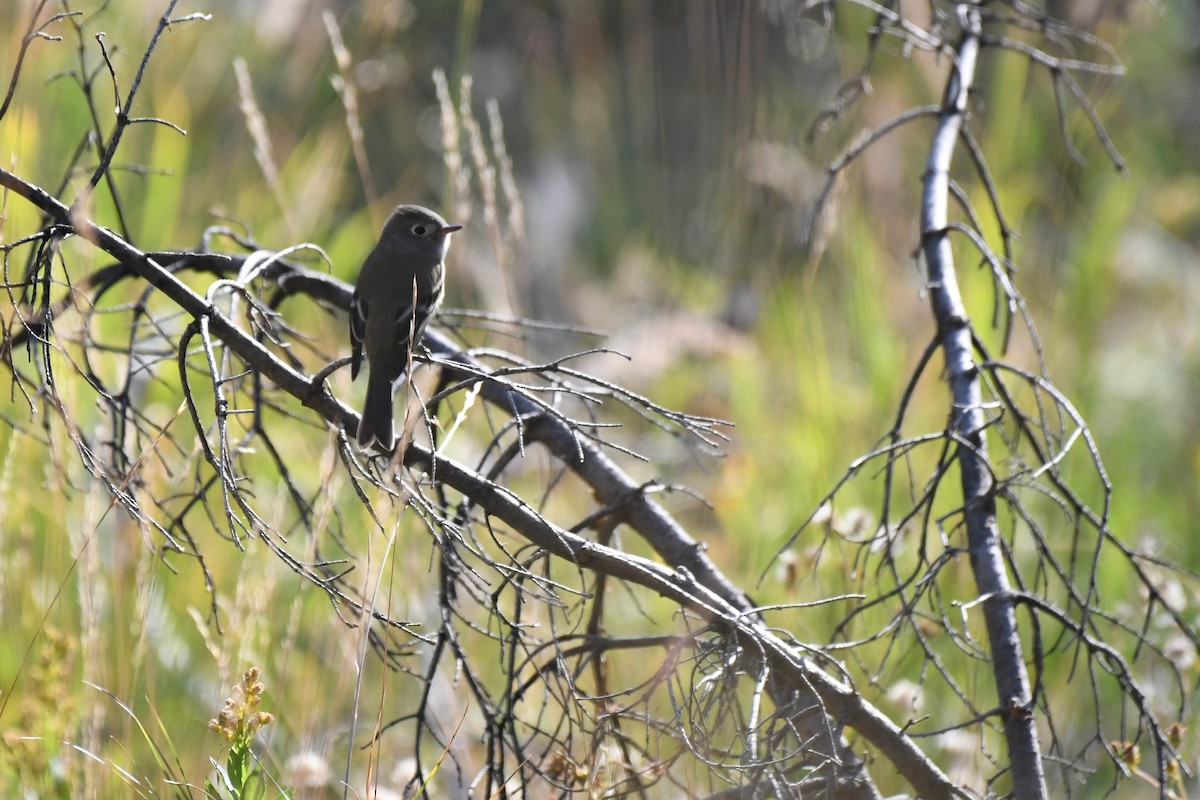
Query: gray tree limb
(814,699)
(968,423)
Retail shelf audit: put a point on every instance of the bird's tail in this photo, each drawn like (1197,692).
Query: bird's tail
(376,423)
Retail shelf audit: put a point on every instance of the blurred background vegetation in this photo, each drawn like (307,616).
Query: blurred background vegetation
(666,167)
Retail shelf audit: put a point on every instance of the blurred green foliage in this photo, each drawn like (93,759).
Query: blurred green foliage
(639,136)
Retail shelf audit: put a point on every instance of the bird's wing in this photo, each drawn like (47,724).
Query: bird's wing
(358,329)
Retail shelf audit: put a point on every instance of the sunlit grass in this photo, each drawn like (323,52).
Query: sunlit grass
(85,595)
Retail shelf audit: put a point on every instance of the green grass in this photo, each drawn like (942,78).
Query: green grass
(88,601)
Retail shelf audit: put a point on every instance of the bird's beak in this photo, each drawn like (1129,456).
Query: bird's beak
(446,230)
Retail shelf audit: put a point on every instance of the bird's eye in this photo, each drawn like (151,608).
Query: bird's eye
(420,230)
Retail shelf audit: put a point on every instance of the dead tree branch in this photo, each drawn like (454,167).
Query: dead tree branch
(797,678)
(969,423)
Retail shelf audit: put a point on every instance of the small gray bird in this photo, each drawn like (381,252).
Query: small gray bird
(399,288)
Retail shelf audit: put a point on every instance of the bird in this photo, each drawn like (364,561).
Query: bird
(399,288)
